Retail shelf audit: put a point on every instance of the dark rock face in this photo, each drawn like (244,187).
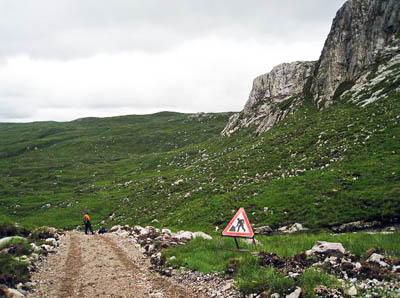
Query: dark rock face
(361,31)
(364,34)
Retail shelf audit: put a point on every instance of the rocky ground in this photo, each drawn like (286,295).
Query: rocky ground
(114,265)
(127,262)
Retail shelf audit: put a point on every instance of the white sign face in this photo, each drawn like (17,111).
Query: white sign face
(239,226)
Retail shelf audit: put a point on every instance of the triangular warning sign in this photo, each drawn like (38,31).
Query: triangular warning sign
(239,226)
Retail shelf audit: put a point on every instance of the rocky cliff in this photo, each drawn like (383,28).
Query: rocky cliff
(361,51)
(273,96)
(361,34)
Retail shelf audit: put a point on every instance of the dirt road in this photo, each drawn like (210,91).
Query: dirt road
(97,266)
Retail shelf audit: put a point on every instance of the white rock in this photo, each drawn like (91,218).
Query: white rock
(179,181)
(34,247)
(52,241)
(295,294)
(296,227)
(352,291)
(275,295)
(283,229)
(6,240)
(46,247)
(358,265)
(150,248)
(383,264)
(166,231)
(184,235)
(114,228)
(202,235)
(250,241)
(376,258)
(323,247)
(144,232)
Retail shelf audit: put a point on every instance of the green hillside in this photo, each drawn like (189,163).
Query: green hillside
(319,168)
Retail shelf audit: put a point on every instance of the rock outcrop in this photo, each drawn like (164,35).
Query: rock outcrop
(361,32)
(361,51)
(273,96)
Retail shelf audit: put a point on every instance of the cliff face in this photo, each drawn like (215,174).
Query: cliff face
(361,32)
(273,96)
(365,36)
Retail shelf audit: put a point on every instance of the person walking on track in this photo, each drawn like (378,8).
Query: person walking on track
(88,225)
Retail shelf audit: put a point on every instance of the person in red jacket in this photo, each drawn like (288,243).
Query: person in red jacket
(88,225)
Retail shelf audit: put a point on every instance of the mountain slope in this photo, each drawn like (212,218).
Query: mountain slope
(318,168)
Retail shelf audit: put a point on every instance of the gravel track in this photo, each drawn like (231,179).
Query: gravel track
(97,266)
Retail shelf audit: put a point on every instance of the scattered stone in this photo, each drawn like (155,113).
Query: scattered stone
(47,248)
(202,235)
(10,293)
(52,241)
(34,247)
(264,230)
(296,227)
(166,231)
(376,258)
(295,294)
(356,226)
(323,291)
(352,291)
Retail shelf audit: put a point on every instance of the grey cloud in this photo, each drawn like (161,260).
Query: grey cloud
(66,59)
(74,28)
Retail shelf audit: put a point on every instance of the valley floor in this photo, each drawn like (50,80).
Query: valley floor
(98,266)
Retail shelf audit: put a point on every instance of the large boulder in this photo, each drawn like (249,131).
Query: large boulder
(323,247)
(202,235)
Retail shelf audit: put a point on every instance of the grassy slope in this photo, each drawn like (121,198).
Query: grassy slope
(320,168)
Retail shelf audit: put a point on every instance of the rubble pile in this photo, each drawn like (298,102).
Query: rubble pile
(42,242)
(373,273)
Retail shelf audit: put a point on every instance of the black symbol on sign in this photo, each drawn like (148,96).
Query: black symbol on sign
(240,224)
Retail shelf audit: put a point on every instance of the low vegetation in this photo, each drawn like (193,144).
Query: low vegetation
(320,168)
(220,255)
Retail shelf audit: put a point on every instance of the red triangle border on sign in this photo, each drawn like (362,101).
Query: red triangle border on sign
(249,234)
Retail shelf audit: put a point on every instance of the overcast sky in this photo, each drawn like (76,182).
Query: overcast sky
(66,59)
